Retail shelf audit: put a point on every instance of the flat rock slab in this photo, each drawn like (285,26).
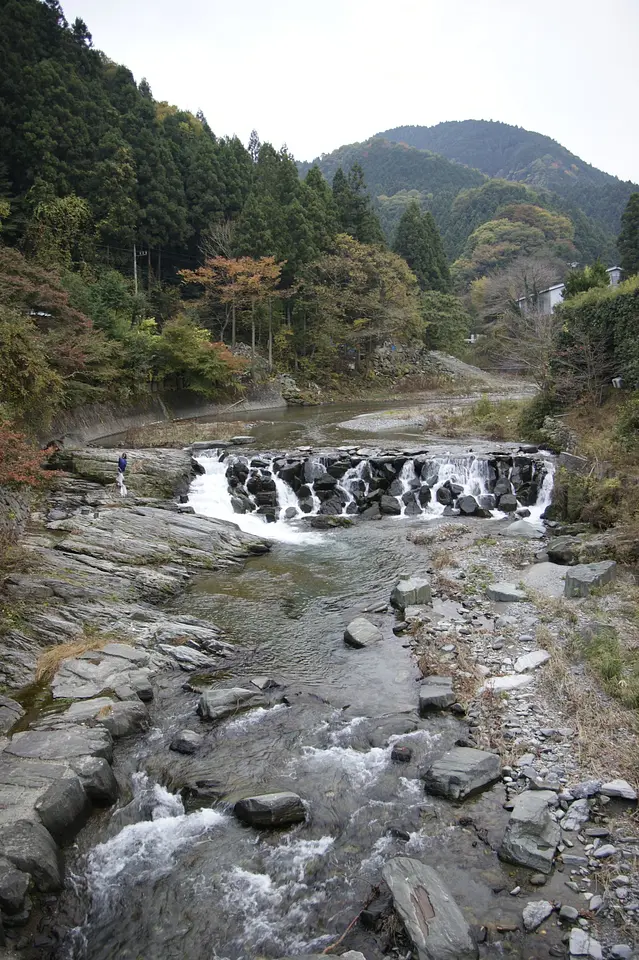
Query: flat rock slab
(218,704)
(271,810)
(433,921)
(581,944)
(89,675)
(530,661)
(361,633)
(581,579)
(436,693)
(618,788)
(535,912)
(546,578)
(411,592)
(532,835)
(461,772)
(10,713)
(72,741)
(120,718)
(505,593)
(522,528)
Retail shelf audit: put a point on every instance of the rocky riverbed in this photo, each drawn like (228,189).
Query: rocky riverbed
(468,813)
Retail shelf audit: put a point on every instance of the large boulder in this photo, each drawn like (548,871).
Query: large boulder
(390,506)
(461,772)
(433,921)
(563,550)
(532,835)
(436,693)
(410,592)
(217,704)
(361,632)
(71,741)
(186,741)
(507,503)
(13,887)
(121,718)
(271,810)
(31,848)
(97,778)
(581,579)
(468,505)
(505,592)
(64,808)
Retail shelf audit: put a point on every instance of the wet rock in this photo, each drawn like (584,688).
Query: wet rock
(535,912)
(532,835)
(581,944)
(467,505)
(390,506)
(186,741)
(371,513)
(72,741)
(13,887)
(436,693)
(271,810)
(461,772)
(618,788)
(217,704)
(97,778)
(410,592)
(433,921)
(581,579)
(401,754)
(568,913)
(63,808)
(31,848)
(505,592)
(10,713)
(121,718)
(361,633)
(530,661)
(265,683)
(507,503)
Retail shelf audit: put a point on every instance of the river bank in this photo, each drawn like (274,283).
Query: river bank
(326,732)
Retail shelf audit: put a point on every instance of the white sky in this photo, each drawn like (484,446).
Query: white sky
(318,74)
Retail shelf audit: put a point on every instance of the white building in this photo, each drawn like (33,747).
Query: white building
(547,299)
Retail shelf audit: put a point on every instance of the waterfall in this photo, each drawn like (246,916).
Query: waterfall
(544,497)
(470,473)
(409,482)
(352,480)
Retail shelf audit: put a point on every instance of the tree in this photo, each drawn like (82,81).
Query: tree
(60,229)
(355,213)
(628,242)
(188,358)
(418,242)
(578,281)
(446,322)
(254,146)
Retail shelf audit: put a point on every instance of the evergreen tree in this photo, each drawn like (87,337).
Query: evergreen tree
(628,242)
(355,213)
(254,146)
(418,242)
(320,210)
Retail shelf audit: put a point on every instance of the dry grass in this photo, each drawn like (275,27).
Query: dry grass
(607,734)
(444,558)
(464,671)
(552,609)
(422,538)
(181,433)
(49,661)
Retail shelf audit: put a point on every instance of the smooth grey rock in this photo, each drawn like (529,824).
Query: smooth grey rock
(361,633)
(265,683)
(523,529)
(507,503)
(577,814)
(121,718)
(71,741)
(568,913)
(13,887)
(505,592)
(535,912)
(581,944)
(618,788)
(411,592)
(621,951)
(271,810)
(563,550)
(468,505)
(217,704)
(581,579)
(436,693)
(186,741)
(97,779)
(64,808)
(10,713)
(390,505)
(31,848)
(531,835)
(604,851)
(511,681)
(461,772)
(433,921)
(530,661)
(587,788)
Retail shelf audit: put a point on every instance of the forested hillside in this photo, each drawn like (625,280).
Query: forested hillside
(460,199)
(512,153)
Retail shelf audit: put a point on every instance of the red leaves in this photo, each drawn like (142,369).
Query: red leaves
(20,462)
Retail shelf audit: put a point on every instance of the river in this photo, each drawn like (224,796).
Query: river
(190,881)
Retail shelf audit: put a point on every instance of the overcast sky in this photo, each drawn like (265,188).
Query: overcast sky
(315,74)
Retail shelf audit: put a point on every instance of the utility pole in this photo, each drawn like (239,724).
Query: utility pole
(135,270)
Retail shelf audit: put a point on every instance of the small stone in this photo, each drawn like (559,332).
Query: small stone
(505,593)
(572,860)
(596,903)
(618,788)
(607,850)
(620,951)
(515,891)
(568,913)
(587,788)
(530,661)
(526,638)
(361,632)
(538,880)
(186,741)
(401,754)
(535,912)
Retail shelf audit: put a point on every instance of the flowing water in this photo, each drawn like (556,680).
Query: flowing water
(190,881)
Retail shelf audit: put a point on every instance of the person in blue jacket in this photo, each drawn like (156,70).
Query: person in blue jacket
(122,464)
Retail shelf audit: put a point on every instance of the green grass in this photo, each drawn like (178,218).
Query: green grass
(616,667)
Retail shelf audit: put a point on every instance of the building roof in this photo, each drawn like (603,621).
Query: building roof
(557,286)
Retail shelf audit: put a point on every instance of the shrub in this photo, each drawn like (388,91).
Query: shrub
(532,417)
(627,427)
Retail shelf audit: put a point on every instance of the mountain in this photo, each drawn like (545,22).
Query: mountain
(512,153)
(460,197)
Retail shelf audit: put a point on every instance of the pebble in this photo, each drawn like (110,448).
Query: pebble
(596,902)
(515,891)
(568,913)
(538,880)
(620,881)
(526,638)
